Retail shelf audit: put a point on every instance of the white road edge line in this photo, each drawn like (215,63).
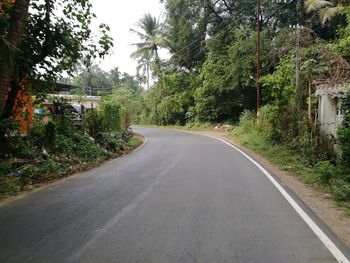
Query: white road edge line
(339,256)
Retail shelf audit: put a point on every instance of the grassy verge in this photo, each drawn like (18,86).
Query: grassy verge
(288,160)
(320,174)
(18,174)
(135,142)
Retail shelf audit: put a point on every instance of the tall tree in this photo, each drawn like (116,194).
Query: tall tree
(10,46)
(115,76)
(150,33)
(187,23)
(46,41)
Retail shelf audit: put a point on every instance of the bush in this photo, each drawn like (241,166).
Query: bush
(107,119)
(326,172)
(110,115)
(5,168)
(247,121)
(344,134)
(341,190)
(50,131)
(110,141)
(113,141)
(269,122)
(48,167)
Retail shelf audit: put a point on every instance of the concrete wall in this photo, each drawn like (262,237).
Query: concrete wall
(328,117)
(87,101)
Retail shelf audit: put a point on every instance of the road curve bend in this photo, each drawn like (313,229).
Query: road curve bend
(180,198)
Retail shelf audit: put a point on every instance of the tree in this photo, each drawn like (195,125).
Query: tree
(115,76)
(186,29)
(48,40)
(14,36)
(150,32)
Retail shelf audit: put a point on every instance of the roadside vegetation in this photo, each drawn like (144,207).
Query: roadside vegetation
(56,149)
(44,46)
(210,79)
(298,158)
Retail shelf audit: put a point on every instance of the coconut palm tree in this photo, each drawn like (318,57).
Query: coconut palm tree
(144,63)
(150,32)
(327,9)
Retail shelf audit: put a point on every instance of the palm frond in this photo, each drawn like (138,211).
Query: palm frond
(140,53)
(141,35)
(328,13)
(313,5)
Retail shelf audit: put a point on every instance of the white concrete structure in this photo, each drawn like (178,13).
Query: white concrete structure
(88,102)
(330,113)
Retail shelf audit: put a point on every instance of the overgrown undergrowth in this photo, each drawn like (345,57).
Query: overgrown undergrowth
(56,149)
(331,177)
(66,154)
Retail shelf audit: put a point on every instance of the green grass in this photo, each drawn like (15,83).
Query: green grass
(277,154)
(348,211)
(135,142)
(284,158)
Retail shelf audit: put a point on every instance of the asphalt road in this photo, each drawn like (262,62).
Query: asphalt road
(181,198)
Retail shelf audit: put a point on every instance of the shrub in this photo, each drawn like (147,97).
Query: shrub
(325,172)
(344,134)
(50,131)
(5,168)
(341,190)
(109,141)
(113,141)
(107,119)
(48,167)
(247,121)
(110,115)
(269,122)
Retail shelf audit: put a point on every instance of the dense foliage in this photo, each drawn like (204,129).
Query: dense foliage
(42,138)
(211,73)
(40,39)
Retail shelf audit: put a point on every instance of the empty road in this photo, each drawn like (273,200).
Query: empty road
(181,198)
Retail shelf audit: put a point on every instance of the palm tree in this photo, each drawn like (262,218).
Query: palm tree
(150,33)
(144,63)
(327,10)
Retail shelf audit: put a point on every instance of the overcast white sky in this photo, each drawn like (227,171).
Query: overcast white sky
(121,15)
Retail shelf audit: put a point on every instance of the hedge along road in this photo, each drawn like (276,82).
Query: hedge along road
(181,198)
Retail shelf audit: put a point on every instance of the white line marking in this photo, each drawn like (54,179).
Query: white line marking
(339,256)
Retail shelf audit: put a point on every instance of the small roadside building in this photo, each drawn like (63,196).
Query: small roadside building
(61,91)
(330,112)
(88,102)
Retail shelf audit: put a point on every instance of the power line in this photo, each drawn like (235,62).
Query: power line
(225,27)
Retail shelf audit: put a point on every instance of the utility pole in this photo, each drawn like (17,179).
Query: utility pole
(258,54)
(297,66)
(297,69)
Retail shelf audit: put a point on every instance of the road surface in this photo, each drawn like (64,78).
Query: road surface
(181,198)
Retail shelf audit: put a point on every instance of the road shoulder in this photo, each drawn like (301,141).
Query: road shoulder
(318,201)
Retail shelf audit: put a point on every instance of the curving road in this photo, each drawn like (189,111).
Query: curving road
(181,198)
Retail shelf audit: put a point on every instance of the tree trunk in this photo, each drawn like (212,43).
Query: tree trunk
(148,75)
(15,35)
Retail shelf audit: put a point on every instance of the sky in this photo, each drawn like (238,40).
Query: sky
(121,15)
